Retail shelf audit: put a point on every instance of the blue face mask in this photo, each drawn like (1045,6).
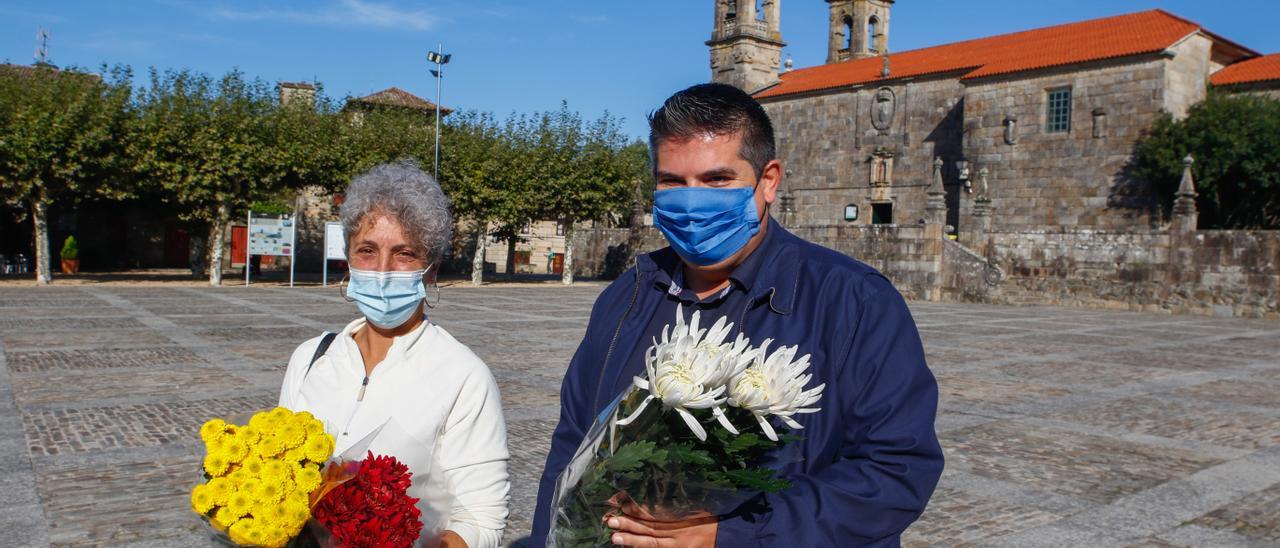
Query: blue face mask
(387,299)
(706,225)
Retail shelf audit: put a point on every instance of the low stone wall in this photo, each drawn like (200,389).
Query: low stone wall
(909,255)
(1212,272)
(1217,272)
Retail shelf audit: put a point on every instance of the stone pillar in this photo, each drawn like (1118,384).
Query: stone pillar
(746,11)
(936,206)
(1182,231)
(1185,214)
(981,223)
(773,15)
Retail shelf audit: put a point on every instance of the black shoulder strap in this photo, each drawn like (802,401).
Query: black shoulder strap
(320,350)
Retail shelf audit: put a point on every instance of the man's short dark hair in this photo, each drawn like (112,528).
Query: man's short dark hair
(718,109)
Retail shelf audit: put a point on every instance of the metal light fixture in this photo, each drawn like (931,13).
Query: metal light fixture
(440,58)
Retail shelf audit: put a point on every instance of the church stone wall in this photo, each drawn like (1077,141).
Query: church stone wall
(1187,74)
(1070,179)
(826,143)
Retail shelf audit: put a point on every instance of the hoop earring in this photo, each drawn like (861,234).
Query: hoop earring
(342,289)
(427,301)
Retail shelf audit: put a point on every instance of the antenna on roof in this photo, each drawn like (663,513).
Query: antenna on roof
(42,50)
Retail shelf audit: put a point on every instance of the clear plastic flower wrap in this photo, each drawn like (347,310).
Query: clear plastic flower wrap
(669,449)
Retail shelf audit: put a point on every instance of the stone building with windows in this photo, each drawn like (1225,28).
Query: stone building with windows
(1030,129)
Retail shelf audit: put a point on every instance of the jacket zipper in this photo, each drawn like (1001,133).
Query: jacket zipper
(359,398)
(595,402)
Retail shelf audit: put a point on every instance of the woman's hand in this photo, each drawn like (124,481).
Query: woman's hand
(451,539)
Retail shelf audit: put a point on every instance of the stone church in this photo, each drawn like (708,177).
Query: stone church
(1025,130)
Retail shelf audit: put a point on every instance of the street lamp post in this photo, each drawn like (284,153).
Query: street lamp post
(440,58)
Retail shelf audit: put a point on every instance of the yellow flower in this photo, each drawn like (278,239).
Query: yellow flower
(235,450)
(313,427)
(252,465)
(217,442)
(277,468)
(297,511)
(212,428)
(247,435)
(215,464)
(281,414)
(319,448)
(240,503)
(219,490)
(243,532)
(222,519)
(270,445)
(270,490)
(295,455)
(291,435)
(307,479)
(201,500)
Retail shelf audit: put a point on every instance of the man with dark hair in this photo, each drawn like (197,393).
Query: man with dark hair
(869,458)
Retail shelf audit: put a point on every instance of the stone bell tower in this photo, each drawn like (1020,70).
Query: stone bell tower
(859,28)
(746,45)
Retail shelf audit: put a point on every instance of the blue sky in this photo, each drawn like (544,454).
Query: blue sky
(623,56)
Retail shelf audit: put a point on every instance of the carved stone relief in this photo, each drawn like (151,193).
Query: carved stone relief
(882,110)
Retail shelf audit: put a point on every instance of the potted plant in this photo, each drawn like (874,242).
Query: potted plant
(70,256)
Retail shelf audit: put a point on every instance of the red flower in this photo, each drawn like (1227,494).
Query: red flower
(372,508)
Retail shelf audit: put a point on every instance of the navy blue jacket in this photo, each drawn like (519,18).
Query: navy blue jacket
(869,460)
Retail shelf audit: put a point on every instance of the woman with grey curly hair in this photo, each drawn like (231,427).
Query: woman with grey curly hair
(434,402)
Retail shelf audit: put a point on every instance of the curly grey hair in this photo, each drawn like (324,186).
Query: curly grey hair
(405,193)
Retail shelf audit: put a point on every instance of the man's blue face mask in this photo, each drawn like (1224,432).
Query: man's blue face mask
(387,299)
(706,225)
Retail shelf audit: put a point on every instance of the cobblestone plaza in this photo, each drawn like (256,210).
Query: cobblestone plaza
(1062,427)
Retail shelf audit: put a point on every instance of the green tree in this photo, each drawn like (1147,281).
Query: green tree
(209,146)
(1235,140)
(60,142)
(470,162)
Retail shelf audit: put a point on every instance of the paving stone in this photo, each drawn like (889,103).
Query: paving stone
(1181,419)
(45,360)
(1090,467)
(61,431)
(1256,516)
(955,518)
(99,405)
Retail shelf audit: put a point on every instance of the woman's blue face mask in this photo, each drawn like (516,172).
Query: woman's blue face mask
(706,225)
(387,299)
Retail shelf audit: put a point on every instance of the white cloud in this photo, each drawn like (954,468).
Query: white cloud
(342,13)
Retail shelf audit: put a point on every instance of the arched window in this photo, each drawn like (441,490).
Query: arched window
(873,25)
(760,10)
(848,33)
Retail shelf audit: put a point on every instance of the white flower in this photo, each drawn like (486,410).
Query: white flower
(774,385)
(689,369)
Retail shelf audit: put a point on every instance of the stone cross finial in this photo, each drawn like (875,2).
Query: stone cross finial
(1184,208)
(884,69)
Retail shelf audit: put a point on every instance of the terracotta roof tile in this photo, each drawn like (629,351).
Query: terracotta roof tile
(1094,40)
(1258,69)
(397,97)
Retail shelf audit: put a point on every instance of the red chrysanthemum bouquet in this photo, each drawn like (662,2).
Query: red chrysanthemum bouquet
(373,507)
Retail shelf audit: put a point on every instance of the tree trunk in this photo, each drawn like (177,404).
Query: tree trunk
(511,258)
(40,218)
(217,241)
(567,276)
(477,259)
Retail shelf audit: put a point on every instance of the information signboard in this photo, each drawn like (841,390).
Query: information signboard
(335,247)
(270,235)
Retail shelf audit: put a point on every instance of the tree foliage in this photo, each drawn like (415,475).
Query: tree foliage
(1235,140)
(60,140)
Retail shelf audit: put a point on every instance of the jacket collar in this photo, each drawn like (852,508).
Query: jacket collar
(771,271)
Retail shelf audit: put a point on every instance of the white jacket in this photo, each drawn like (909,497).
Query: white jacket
(432,388)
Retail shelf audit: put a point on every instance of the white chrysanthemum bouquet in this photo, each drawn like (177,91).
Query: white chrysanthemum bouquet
(671,447)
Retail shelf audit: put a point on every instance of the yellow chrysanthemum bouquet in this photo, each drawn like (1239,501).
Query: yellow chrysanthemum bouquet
(262,478)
